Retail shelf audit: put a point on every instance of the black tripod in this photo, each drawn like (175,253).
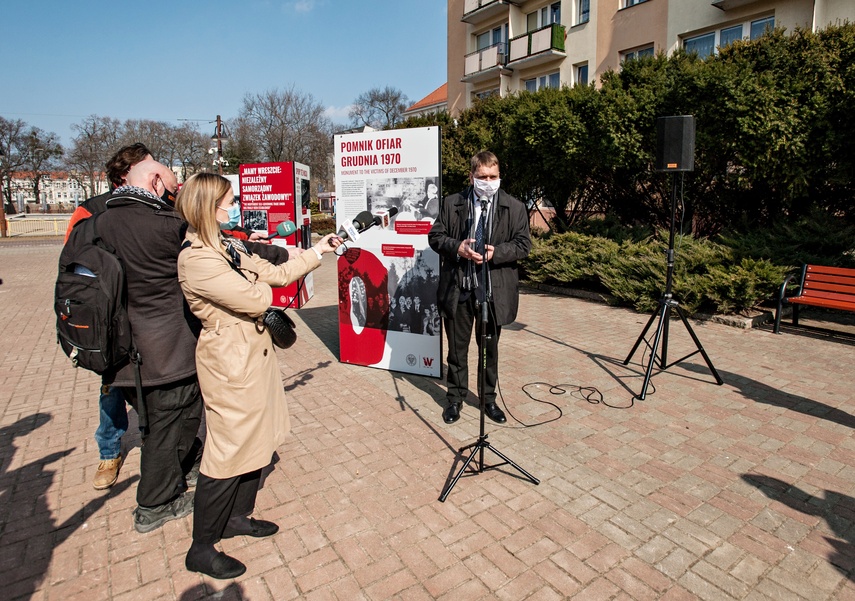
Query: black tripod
(482,442)
(666,303)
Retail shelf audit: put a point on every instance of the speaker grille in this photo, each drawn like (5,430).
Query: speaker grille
(675,143)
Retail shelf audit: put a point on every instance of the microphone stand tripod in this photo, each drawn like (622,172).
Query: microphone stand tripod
(482,442)
(666,303)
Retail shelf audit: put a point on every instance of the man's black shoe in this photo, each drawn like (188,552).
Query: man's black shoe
(249,527)
(221,566)
(451,413)
(147,519)
(494,413)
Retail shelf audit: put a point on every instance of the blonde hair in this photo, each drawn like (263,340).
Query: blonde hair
(197,204)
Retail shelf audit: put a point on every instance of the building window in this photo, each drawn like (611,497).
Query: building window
(486,93)
(543,17)
(708,44)
(583,11)
(730,35)
(582,74)
(628,3)
(761,26)
(552,80)
(493,37)
(631,55)
(702,45)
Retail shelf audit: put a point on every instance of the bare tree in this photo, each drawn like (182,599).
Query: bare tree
(241,144)
(380,109)
(11,143)
(96,140)
(41,152)
(289,126)
(156,135)
(189,149)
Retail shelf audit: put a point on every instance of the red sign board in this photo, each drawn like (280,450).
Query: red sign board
(267,197)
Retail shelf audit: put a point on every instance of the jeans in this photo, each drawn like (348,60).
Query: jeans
(114,422)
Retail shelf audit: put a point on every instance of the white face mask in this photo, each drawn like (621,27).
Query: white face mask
(486,187)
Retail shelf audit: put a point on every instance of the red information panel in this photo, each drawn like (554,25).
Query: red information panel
(269,196)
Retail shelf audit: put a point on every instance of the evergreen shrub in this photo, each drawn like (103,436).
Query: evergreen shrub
(707,276)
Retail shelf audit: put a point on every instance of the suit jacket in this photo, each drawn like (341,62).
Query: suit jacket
(510,237)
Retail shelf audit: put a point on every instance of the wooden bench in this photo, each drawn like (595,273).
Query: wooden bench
(829,287)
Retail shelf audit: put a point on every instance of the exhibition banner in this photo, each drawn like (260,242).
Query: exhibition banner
(388,275)
(271,193)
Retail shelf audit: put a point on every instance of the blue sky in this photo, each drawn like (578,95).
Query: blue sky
(161,60)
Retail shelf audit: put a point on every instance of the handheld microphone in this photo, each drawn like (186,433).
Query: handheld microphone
(284,229)
(383,220)
(360,223)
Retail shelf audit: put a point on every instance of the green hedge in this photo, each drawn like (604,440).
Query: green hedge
(708,277)
(322,224)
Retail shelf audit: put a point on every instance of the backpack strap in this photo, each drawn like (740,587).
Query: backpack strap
(142,409)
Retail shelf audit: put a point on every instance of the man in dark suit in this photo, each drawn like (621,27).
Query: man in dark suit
(480,228)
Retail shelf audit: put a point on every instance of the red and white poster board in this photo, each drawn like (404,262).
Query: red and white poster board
(388,277)
(271,193)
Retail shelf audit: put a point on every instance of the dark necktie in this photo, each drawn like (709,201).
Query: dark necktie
(482,225)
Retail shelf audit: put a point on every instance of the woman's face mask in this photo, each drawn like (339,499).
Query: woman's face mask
(234,217)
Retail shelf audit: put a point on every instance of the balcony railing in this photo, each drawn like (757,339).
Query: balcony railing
(731,4)
(546,42)
(483,63)
(476,11)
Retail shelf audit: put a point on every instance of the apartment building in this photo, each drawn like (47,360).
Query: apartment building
(505,46)
(58,191)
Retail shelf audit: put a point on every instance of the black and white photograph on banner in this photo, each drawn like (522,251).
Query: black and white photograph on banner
(358,303)
(416,198)
(412,296)
(255,220)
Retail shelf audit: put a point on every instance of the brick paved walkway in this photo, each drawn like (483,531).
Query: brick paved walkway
(740,491)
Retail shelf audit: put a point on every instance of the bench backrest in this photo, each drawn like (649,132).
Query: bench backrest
(831,283)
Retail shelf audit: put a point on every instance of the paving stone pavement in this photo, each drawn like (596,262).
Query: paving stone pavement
(740,491)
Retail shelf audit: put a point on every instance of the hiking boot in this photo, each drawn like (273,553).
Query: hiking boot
(147,519)
(107,473)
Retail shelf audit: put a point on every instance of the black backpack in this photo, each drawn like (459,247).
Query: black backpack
(91,305)
(90,300)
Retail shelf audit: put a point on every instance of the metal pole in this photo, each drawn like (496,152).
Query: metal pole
(219,145)
(3,200)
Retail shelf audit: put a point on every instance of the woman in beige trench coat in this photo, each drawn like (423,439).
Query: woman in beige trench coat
(245,407)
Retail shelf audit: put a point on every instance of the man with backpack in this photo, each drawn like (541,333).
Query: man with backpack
(113,413)
(146,233)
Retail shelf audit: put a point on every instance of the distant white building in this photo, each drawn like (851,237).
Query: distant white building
(59,191)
